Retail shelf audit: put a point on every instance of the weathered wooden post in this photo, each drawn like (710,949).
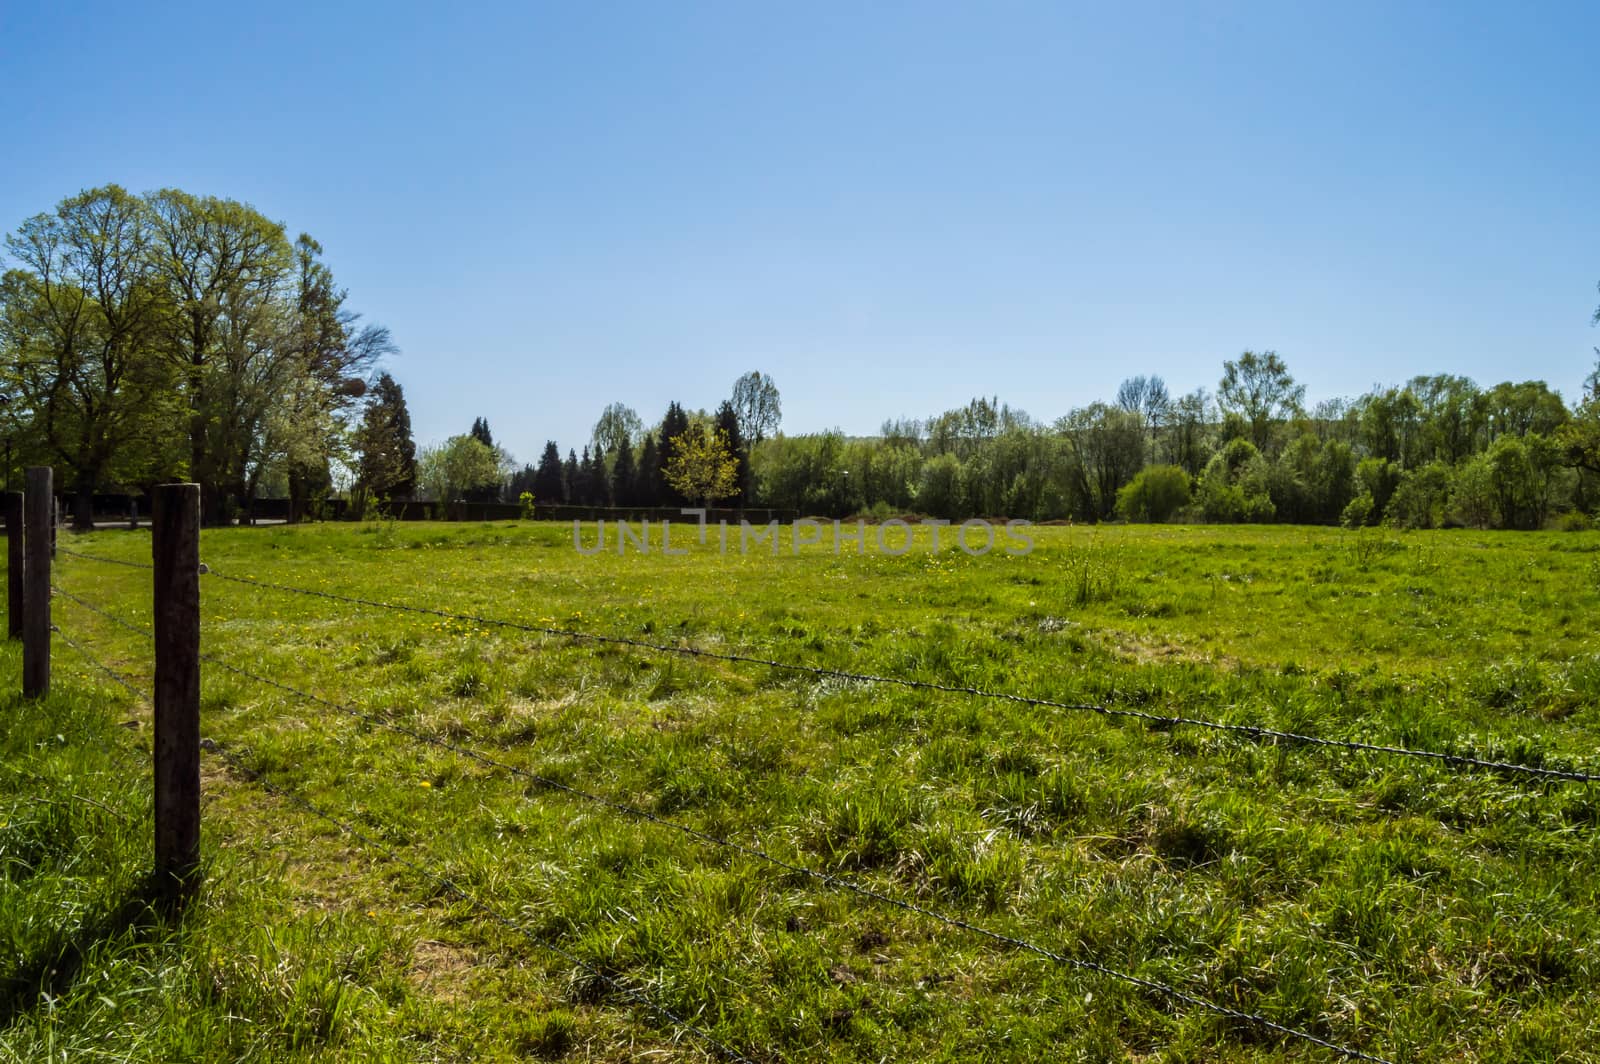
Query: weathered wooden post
(175,539)
(36,583)
(14,563)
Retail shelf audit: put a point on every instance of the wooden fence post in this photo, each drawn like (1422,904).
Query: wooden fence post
(14,563)
(175,539)
(36,583)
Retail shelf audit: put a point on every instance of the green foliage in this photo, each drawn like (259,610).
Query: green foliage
(1233,488)
(703,467)
(1422,497)
(386,453)
(1360,512)
(1259,390)
(460,465)
(550,482)
(166,335)
(1154,494)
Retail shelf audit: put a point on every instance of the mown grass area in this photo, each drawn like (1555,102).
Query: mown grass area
(1402,907)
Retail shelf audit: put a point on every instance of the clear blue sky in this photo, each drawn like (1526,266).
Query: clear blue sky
(890,208)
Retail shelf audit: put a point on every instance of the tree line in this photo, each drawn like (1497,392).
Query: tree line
(167,335)
(688,458)
(1436,451)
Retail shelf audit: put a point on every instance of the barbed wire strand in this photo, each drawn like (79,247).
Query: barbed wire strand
(1251,731)
(102,559)
(120,751)
(444,882)
(828,879)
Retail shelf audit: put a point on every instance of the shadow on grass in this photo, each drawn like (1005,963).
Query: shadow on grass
(144,914)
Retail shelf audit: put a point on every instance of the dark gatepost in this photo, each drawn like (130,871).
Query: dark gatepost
(14,564)
(37,505)
(175,538)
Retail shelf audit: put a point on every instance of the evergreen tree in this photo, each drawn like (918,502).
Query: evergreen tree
(728,425)
(622,477)
(673,426)
(547,481)
(480,432)
(521,481)
(647,484)
(386,465)
(597,489)
(570,477)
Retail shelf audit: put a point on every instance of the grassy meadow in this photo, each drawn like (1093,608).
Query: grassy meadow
(1406,908)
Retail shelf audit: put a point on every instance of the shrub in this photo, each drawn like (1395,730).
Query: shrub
(1359,512)
(1421,498)
(1234,487)
(1154,495)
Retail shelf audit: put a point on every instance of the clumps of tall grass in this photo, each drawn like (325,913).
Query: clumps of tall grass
(1370,545)
(1093,573)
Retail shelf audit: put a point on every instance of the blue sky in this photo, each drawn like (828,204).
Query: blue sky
(890,208)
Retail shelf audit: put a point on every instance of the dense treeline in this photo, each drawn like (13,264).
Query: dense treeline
(1435,451)
(145,338)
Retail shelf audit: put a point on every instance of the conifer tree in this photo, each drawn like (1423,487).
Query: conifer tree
(547,480)
(622,477)
(386,464)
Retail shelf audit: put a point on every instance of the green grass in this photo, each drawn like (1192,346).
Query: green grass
(1397,906)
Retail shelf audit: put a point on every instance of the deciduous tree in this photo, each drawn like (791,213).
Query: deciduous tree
(1259,389)
(758,406)
(702,467)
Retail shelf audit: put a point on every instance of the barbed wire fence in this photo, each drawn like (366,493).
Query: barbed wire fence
(460,746)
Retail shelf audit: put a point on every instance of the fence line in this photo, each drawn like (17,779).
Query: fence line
(237,764)
(831,880)
(1255,733)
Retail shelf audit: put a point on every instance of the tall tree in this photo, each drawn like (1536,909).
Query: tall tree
(1148,399)
(647,487)
(225,268)
(727,423)
(623,476)
(618,424)
(1108,444)
(572,474)
(330,355)
(756,401)
(480,432)
(1187,432)
(1259,389)
(1580,437)
(452,470)
(596,486)
(386,453)
(547,481)
(673,426)
(78,321)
